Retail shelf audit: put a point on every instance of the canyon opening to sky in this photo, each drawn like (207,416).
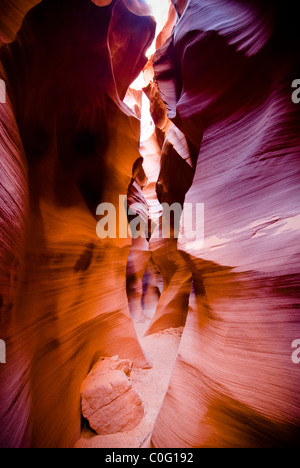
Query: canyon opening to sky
(119,119)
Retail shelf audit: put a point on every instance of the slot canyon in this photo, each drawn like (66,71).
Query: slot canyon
(142,338)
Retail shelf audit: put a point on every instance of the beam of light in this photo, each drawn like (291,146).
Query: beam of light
(159,9)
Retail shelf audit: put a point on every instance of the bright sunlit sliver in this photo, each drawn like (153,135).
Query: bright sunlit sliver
(159,9)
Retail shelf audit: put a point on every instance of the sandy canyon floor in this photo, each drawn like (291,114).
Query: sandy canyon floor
(151,384)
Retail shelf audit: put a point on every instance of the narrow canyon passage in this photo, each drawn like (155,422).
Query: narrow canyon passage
(149,224)
(158,278)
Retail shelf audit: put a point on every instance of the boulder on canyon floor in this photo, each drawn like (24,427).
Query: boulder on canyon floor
(109,402)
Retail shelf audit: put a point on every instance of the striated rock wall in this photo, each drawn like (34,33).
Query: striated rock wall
(173,181)
(230,140)
(66,73)
(12,15)
(14,375)
(227,72)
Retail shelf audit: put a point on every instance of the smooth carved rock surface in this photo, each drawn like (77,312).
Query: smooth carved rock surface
(226,74)
(172,307)
(67,143)
(108,401)
(177,168)
(14,211)
(12,15)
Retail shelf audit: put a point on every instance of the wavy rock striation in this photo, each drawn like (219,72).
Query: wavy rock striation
(226,73)
(69,143)
(175,177)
